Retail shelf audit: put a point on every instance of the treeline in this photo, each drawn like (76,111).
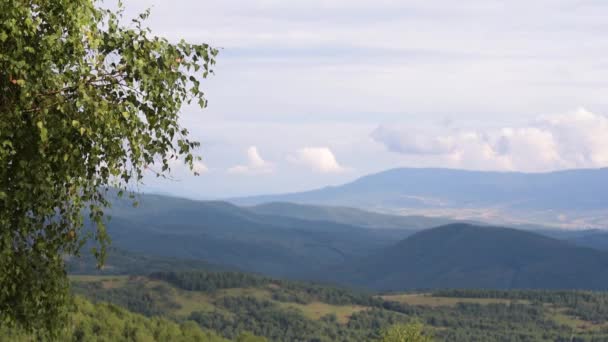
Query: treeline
(484,322)
(211,281)
(134,296)
(587,305)
(281,290)
(305,293)
(263,317)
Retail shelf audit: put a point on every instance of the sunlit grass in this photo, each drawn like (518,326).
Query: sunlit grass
(429,300)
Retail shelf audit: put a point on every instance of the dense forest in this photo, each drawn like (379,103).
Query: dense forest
(232,303)
(107,322)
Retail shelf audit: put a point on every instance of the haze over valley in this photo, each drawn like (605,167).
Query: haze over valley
(330,241)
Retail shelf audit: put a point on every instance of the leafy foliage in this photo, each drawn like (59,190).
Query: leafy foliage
(85,103)
(518,315)
(106,322)
(412,332)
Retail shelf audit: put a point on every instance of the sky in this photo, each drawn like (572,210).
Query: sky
(314,93)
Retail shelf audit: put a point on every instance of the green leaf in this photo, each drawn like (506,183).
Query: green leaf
(72,67)
(44,133)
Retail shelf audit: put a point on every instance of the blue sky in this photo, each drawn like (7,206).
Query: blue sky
(313,93)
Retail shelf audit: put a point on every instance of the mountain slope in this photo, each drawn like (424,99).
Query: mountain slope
(224,234)
(351,216)
(466,256)
(120,262)
(577,197)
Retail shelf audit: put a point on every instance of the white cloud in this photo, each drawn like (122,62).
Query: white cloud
(255,164)
(574,140)
(199,167)
(179,168)
(319,159)
(395,56)
(389,61)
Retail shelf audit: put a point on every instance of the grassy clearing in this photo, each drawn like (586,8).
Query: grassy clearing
(181,303)
(316,310)
(107,282)
(190,302)
(95,278)
(247,292)
(560,316)
(429,300)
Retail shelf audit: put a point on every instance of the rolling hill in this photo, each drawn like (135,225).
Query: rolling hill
(167,233)
(574,198)
(122,262)
(467,256)
(224,234)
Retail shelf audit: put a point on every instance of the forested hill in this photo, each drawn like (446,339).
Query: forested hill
(232,303)
(467,256)
(224,234)
(166,233)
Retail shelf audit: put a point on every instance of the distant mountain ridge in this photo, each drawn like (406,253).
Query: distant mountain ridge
(467,256)
(346,215)
(224,234)
(573,198)
(311,242)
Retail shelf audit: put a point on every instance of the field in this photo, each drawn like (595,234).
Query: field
(427,299)
(316,310)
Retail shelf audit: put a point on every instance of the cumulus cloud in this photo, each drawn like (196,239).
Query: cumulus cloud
(199,167)
(255,164)
(178,168)
(575,140)
(319,159)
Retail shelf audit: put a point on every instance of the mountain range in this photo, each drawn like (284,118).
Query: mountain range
(349,246)
(572,198)
(222,233)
